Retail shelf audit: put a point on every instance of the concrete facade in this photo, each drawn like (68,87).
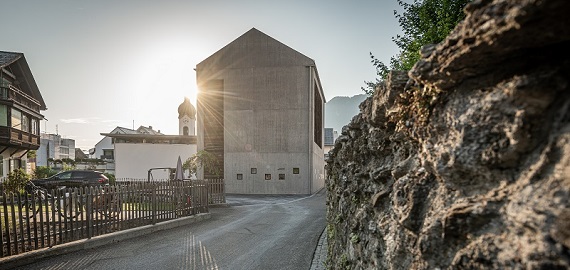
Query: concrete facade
(260,109)
(55,147)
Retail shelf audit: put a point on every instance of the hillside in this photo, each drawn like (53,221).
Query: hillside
(340,110)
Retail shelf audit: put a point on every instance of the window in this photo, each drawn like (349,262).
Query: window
(82,175)
(281,176)
(318,117)
(35,127)
(267,176)
(25,123)
(3,115)
(239,176)
(185,131)
(253,170)
(64,175)
(295,170)
(16,119)
(108,154)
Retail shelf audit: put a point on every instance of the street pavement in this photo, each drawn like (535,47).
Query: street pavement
(254,232)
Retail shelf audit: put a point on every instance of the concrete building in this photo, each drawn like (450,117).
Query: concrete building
(20,106)
(260,111)
(55,147)
(137,151)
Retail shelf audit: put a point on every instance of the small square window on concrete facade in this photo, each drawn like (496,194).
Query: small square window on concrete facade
(281,176)
(239,176)
(295,170)
(267,176)
(253,170)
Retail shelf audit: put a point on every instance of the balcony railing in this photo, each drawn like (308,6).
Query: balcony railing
(19,139)
(12,93)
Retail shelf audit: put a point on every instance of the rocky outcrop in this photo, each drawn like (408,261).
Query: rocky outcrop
(464,163)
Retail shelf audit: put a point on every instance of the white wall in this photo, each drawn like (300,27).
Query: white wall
(105,143)
(134,160)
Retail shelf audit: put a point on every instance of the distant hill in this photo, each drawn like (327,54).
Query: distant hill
(340,110)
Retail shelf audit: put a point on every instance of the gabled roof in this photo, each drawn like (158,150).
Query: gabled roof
(7,58)
(123,130)
(142,130)
(20,65)
(255,48)
(148,130)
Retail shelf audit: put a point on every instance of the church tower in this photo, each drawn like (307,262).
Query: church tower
(186,118)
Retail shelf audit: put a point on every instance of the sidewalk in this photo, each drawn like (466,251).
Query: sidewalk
(105,239)
(320,256)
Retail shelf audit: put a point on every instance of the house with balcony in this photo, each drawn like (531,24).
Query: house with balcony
(21,104)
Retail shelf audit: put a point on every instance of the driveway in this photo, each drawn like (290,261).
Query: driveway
(254,232)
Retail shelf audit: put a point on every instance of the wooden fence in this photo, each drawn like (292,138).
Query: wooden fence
(216,191)
(216,188)
(41,218)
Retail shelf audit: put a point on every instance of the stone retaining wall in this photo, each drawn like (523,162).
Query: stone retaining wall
(464,162)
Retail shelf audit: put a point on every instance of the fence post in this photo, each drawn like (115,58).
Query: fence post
(153,203)
(89,213)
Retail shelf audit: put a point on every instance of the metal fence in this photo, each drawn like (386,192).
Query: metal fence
(42,218)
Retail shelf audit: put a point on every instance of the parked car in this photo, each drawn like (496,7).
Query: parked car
(76,178)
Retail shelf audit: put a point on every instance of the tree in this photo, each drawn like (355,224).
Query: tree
(423,22)
(202,159)
(31,154)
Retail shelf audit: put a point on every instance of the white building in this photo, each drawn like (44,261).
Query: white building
(137,151)
(55,147)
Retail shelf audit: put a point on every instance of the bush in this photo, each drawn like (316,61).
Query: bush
(16,181)
(112,179)
(43,172)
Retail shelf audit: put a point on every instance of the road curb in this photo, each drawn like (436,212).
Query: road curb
(32,256)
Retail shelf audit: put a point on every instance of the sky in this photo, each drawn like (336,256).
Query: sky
(100,64)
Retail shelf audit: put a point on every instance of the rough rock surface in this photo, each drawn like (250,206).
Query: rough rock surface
(464,163)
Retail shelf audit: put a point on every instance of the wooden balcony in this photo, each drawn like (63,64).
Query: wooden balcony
(18,139)
(14,94)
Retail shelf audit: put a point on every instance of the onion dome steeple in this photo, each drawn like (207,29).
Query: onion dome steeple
(186,108)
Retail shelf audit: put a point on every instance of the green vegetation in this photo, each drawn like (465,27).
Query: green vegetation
(43,172)
(16,181)
(423,22)
(354,238)
(202,159)
(112,179)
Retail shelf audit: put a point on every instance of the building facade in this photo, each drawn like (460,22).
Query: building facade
(137,151)
(55,147)
(21,104)
(260,111)
(330,137)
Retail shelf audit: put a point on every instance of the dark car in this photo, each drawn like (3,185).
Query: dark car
(75,178)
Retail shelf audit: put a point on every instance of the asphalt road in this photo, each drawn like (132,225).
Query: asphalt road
(255,232)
